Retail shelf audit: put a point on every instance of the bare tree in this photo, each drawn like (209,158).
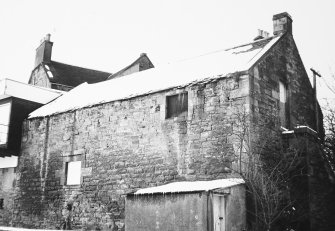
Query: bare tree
(265,166)
(329,142)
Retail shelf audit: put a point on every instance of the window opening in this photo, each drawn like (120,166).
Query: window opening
(176,105)
(4,122)
(1,203)
(282,103)
(73,172)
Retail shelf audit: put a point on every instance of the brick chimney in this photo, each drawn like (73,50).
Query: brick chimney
(43,52)
(282,23)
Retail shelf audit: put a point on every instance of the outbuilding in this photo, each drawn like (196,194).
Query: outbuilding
(216,205)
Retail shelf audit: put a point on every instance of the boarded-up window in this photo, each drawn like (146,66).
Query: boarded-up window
(4,122)
(176,104)
(282,103)
(73,172)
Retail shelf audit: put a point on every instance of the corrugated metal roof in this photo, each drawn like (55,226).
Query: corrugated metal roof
(192,186)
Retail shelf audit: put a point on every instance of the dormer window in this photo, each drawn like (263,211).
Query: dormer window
(4,122)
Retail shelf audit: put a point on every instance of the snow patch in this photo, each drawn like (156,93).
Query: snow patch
(12,88)
(192,186)
(8,162)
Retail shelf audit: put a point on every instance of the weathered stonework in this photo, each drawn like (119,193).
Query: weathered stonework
(7,184)
(284,64)
(130,144)
(123,146)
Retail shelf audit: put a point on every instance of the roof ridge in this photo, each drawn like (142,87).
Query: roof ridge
(250,43)
(225,49)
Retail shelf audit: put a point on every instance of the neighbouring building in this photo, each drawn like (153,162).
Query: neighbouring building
(61,76)
(84,152)
(17,100)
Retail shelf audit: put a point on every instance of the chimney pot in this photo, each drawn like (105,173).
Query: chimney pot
(261,35)
(282,23)
(47,37)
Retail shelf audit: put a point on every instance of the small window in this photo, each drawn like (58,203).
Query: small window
(1,203)
(282,103)
(4,122)
(73,172)
(176,105)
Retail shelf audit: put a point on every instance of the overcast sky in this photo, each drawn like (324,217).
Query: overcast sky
(108,35)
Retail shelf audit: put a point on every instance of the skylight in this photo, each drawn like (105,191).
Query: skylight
(47,67)
(50,74)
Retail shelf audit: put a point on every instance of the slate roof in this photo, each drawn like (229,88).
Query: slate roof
(69,75)
(204,68)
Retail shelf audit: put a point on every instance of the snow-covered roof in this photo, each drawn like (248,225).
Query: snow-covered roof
(12,88)
(210,66)
(192,186)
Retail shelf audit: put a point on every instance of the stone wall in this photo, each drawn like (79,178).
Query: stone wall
(7,184)
(39,77)
(283,63)
(123,146)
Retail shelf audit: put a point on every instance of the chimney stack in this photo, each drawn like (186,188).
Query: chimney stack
(43,52)
(261,35)
(282,23)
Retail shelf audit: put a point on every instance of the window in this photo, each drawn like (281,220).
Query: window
(282,103)
(4,122)
(73,172)
(176,105)
(1,203)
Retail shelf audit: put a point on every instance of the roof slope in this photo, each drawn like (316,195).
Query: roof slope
(142,60)
(192,186)
(206,67)
(69,75)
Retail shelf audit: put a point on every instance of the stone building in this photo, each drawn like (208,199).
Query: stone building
(84,152)
(17,100)
(61,76)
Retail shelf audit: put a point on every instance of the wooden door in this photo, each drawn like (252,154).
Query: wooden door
(219,213)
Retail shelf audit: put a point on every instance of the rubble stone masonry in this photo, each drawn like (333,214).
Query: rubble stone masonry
(123,146)
(130,144)
(7,183)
